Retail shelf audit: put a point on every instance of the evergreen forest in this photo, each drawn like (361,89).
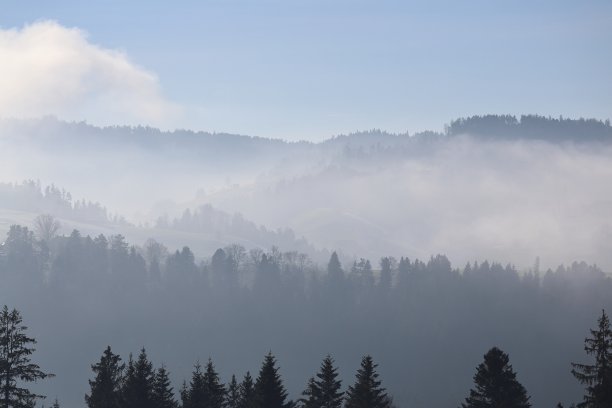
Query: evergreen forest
(426,323)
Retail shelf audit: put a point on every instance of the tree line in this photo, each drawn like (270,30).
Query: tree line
(139,385)
(30,195)
(532,127)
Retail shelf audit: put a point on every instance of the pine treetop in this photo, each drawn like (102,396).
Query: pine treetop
(233,393)
(328,385)
(163,394)
(106,386)
(598,376)
(496,384)
(367,391)
(269,389)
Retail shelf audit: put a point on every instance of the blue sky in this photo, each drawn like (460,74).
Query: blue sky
(312,69)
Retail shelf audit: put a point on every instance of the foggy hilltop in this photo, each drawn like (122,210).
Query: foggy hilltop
(422,250)
(496,187)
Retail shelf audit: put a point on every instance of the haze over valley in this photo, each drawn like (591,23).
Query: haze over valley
(493,188)
(305,204)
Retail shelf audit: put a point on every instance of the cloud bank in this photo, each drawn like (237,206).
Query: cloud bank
(49,69)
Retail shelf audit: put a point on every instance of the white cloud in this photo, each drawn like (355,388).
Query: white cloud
(49,69)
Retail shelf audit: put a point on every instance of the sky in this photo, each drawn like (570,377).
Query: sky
(303,70)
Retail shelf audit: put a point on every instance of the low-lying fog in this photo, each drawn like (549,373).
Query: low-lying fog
(368,195)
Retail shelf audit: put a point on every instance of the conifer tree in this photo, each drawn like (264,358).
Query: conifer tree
(184,392)
(195,395)
(496,384)
(106,386)
(128,377)
(269,389)
(386,274)
(15,351)
(367,392)
(163,394)
(55,404)
(597,376)
(328,394)
(310,395)
(403,273)
(233,394)
(215,390)
(247,392)
(138,386)
(335,275)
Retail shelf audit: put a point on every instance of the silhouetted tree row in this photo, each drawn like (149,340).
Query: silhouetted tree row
(205,219)
(532,127)
(140,386)
(31,196)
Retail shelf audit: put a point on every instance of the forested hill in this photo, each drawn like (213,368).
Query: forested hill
(204,228)
(532,127)
(367,194)
(54,133)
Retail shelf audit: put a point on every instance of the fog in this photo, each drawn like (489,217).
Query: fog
(198,245)
(365,195)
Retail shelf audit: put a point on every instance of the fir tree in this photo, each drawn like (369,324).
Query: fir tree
(138,386)
(269,389)
(496,384)
(247,392)
(310,395)
(328,394)
(335,275)
(196,396)
(215,390)
(386,274)
(367,392)
(106,387)
(233,394)
(15,351)
(598,376)
(162,393)
(55,404)
(184,392)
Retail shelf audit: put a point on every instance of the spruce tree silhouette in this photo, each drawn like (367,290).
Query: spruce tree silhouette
(247,392)
(367,392)
(269,389)
(138,386)
(496,384)
(328,385)
(106,386)
(309,395)
(15,350)
(195,395)
(598,376)
(215,390)
(163,394)
(233,394)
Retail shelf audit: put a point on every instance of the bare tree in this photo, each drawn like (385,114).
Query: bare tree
(46,226)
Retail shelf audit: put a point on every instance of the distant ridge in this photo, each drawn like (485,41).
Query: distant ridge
(55,133)
(532,127)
